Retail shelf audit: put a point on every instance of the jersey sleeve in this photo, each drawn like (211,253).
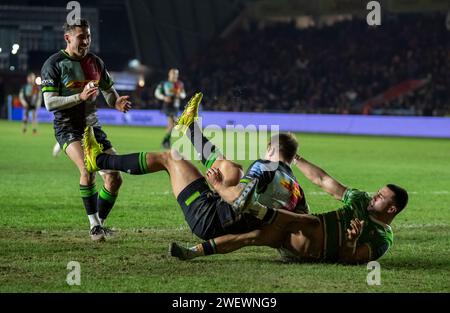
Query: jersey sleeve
(358,201)
(159,91)
(379,245)
(262,171)
(106,81)
(51,76)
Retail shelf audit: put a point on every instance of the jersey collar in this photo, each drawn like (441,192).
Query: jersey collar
(384,225)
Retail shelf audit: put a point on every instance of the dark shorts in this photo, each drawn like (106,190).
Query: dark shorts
(67,134)
(208,215)
(332,235)
(169,110)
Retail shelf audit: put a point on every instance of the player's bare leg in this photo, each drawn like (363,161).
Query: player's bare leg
(170,126)
(25,120)
(210,155)
(34,120)
(269,235)
(272,235)
(182,172)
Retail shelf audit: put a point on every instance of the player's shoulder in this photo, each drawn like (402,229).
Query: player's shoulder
(259,163)
(355,193)
(262,166)
(54,59)
(356,197)
(93,56)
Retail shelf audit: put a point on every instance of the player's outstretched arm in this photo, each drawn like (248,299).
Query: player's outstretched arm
(320,178)
(112,98)
(54,102)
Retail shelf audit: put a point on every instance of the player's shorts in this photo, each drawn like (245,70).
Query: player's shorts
(332,235)
(208,215)
(169,110)
(67,134)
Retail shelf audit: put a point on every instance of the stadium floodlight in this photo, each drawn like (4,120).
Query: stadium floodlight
(38,81)
(12,68)
(134,63)
(15,48)
(141,82)
(0,49)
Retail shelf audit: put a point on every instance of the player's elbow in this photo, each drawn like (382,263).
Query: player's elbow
(49,107)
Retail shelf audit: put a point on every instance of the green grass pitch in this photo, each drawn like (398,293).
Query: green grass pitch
(43,225)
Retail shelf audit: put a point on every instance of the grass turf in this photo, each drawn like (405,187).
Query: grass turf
(43,224)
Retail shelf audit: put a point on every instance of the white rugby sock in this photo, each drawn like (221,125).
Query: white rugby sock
(94,220)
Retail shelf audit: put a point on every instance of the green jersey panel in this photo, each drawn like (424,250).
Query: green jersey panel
(376,235)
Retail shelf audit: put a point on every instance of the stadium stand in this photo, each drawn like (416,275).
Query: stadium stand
(337,69)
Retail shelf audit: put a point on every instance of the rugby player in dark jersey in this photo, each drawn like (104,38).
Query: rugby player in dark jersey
(206,213)
(358,232)
(170,92)
(71,81)
(30,98)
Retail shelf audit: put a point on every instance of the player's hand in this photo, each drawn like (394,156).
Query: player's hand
(214,177)
(297,158)
(167,99)
(88,93)
(123,104)
(355,229)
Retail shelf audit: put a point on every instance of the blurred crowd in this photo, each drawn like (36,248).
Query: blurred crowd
(334,69)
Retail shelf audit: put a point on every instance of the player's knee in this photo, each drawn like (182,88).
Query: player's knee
(232,174)
(86,178)
(113,181)
(171,156)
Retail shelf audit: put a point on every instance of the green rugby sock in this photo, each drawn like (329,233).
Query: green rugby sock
(105,203)
(207,150)
(134,163)
(167,137)
(89,196)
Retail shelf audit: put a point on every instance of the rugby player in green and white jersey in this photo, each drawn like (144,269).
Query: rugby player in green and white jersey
(71,79)
(358,232)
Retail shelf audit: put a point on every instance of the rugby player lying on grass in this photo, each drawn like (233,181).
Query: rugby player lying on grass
(356,233)
(206,213)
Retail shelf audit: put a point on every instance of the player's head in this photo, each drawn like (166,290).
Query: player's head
(173,74)
(78,37)
(31,78)
(283,146)
(389,201)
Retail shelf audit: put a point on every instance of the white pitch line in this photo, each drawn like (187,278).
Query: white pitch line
(160,193)
(421,225)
